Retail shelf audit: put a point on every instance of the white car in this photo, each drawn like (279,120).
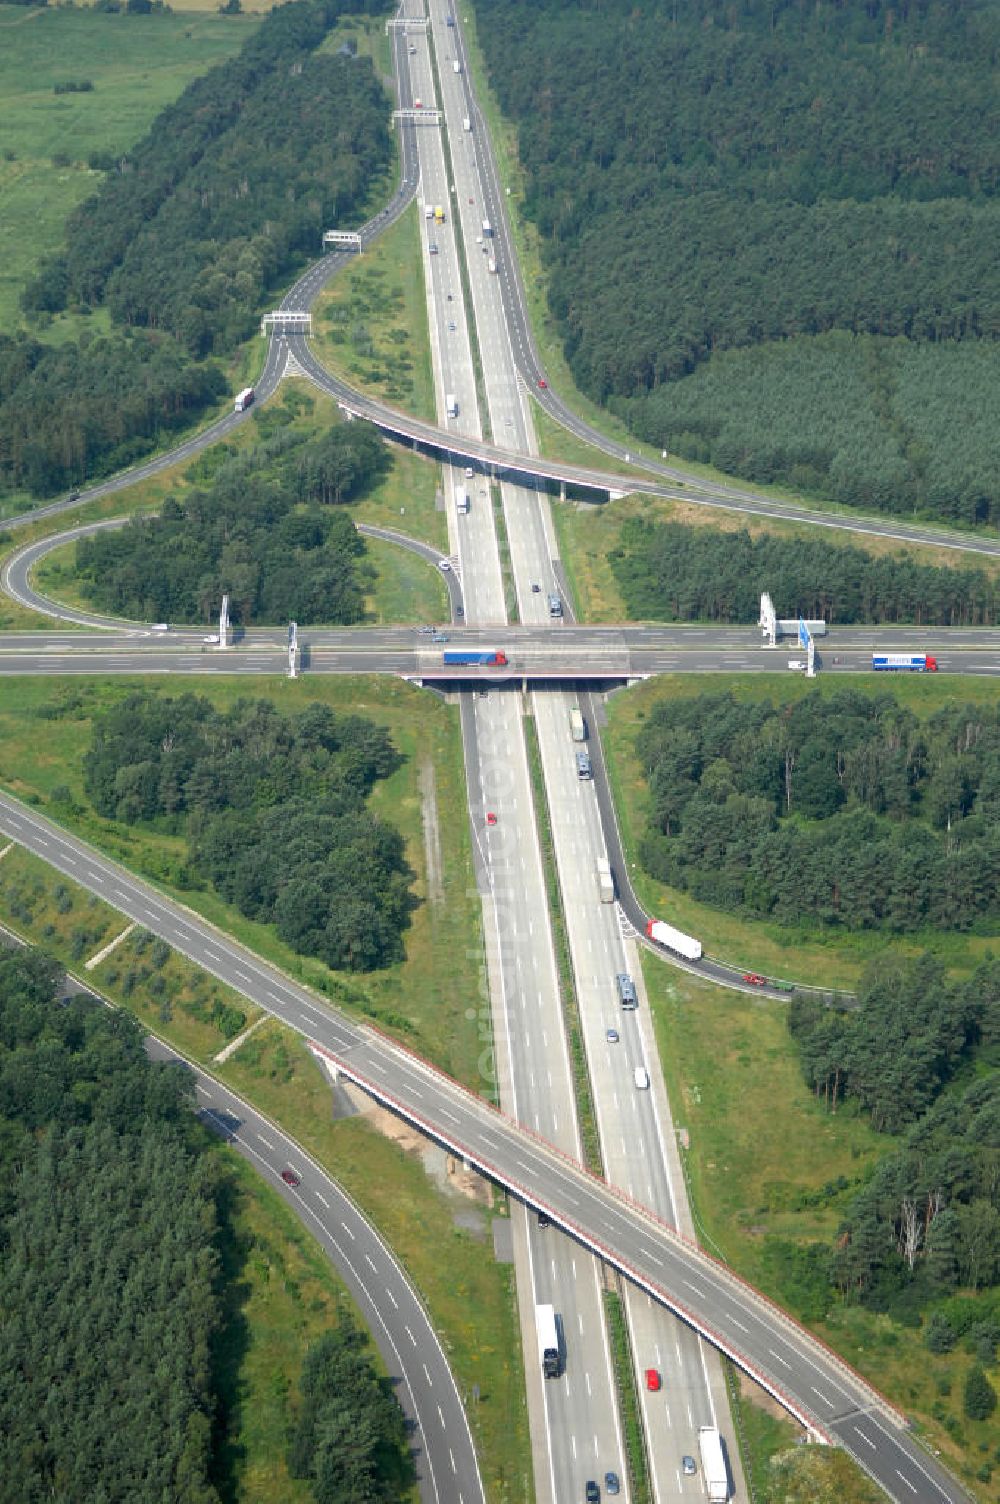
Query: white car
(214,640)
(443,564)
(469,472)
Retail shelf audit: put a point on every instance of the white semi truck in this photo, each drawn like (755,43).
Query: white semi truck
(713,1465)
(548,1341)
(676,940)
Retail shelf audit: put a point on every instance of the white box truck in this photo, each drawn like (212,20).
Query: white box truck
(457,66)
(713,1465)
(548,1341)
(461,499)
(451,404)
(577,725)
(605,881)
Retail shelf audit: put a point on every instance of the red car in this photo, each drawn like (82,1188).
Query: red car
(491,818)
(653,1381)
(542,382)
(754,979)
(290,1177)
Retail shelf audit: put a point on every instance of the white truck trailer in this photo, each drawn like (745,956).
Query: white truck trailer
(605,880)
(665,934)
(713,1465)
(548,1341)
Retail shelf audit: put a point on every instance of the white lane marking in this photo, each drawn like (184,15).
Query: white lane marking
(265,1141)
(736,1322)
(392,1297)
(350,1234)
(697,1291)
(777,1356)
(821,1395)
(911,1486)
(866,1439)
(371,1263)
(427,1375)
(320,1197)
(413,1339)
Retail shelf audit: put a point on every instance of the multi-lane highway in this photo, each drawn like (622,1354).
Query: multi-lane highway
(636,1135)
(532,1053)
(599,655)
(574,1423)
(786,1359)
(440,1441)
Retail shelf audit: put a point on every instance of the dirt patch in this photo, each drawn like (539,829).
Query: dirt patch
(754,1395)
(448,1173)
(432,834)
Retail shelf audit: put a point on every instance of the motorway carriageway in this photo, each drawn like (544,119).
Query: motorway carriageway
(810,1381)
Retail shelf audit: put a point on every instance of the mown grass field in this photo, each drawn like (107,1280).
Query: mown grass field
(45,730)
(407,589)
(137,65)
(807,954)
(371,321)
(768,1167)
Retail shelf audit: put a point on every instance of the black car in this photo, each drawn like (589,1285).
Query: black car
(544,1220)
(593,1493)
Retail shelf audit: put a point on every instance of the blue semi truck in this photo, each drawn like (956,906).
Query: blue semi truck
(912,663)
(489,657)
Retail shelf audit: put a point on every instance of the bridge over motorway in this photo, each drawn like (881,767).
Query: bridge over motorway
(833,1401)
(570,654)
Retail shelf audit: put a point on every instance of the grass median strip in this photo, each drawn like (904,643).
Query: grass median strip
(564,966)
(621,1358)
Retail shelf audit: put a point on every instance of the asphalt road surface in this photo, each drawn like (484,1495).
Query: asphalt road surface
(783,1357)
(440,1442)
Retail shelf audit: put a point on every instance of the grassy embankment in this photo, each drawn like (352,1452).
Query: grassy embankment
(588,534)
(808,954)
(45,729)
(407,588)
(470,1297)
(371,322)
(769,1171)
(137,65)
